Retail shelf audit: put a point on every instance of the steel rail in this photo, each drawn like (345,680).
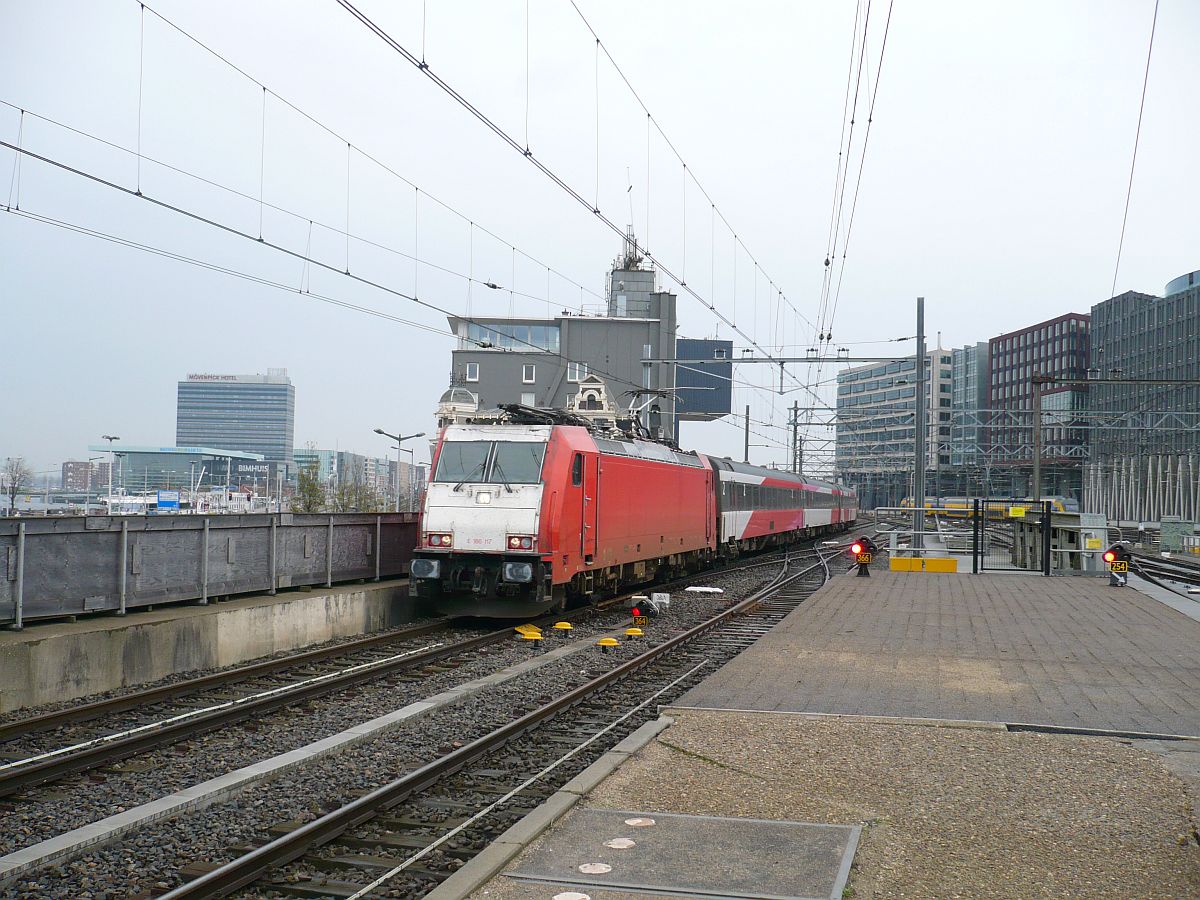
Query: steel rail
(99,708)
(51,766)
(23,777)
(246,869)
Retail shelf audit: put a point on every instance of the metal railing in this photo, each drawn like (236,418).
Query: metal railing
(73,565)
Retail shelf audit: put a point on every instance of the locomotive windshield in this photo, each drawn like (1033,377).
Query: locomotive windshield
(516,463)
(494,462)
(462,460)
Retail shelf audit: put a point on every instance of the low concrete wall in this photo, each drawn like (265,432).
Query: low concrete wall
(50,663)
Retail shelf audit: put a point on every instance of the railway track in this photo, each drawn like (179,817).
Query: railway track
(221,699)
(99,709)
(410,834)
(21,774)
(1156,569)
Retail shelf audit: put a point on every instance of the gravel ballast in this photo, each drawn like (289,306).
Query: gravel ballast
(947,811)
(149,859)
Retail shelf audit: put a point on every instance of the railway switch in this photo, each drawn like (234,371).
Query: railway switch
(1118,557)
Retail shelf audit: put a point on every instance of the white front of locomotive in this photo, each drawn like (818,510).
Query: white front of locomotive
(482,513)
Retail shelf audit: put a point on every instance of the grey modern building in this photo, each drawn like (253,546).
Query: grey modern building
(251,413)
(541,361)
(1144,444)
(1059,348)
(970,381)
(875,427)
(1142,336)
(140,468)
(703,391)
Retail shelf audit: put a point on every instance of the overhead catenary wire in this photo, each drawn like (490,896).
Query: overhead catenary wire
(675,150)
(515,145)
(310,222)
(861,163)
(225,270)
(307,260)
(1136,140)
(362,152)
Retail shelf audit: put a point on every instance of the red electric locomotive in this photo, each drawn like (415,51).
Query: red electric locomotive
(519,519)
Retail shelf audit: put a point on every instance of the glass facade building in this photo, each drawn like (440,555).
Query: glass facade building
(251,413)
(970,371)
(1058,347)
(876,407)
(1142,336)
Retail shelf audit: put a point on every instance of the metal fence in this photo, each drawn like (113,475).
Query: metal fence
(68,566)
(999,547)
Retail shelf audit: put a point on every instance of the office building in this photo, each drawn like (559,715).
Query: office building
(876,427)
(80,475)
(253,414)
(1058,348)
(138,469)
(1147,337)
(970,379)
(1146,463)
(542,361)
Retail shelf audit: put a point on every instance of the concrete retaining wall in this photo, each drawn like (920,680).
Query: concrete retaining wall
(50,663)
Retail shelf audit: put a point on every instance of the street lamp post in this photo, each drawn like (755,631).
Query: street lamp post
(400,440)
(112,464)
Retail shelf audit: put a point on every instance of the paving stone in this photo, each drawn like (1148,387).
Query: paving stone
(1008,648)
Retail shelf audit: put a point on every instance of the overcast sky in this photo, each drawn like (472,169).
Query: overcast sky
(994,186)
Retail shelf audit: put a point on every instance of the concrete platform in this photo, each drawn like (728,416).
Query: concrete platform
(944,810)
(48,663)
(1066,652)
(885,704)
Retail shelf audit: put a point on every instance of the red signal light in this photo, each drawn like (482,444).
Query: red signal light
(856,548)
(1109,556)
(635,611)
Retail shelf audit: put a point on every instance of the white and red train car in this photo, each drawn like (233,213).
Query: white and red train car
(518,519)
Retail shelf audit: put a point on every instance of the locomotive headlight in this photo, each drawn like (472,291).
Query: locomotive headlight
(438,540)
(518,571)
(521,542)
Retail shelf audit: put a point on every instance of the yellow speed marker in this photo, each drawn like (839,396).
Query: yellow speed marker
(607,643)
